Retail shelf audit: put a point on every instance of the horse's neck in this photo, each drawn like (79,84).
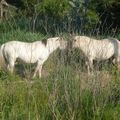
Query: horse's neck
(85,44)
(51,48)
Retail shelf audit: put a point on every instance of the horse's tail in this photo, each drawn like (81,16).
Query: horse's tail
(2,57)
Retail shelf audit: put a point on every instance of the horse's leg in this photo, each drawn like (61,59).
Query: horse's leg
(11,65)
(38,68)
(90,64)
(116,62)
(88,67)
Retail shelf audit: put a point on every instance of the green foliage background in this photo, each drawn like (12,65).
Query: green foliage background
(70,15)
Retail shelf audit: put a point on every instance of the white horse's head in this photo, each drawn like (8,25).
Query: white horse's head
(78,41)
(56,42)
(75,41)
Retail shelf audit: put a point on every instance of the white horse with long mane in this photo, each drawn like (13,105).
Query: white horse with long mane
(97,49)
(35,52)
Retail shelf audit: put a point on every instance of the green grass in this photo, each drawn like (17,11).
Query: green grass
(65,92)
(21,36)
(61,95)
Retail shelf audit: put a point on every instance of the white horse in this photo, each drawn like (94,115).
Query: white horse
(97,49)
(35,52)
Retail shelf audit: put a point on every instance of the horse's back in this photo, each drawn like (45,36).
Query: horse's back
(27,52)
(23,45)
(97,49)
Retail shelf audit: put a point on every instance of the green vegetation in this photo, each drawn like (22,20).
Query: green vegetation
(59,96)
(81,16)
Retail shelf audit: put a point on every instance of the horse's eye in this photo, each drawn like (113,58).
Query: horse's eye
(75,40)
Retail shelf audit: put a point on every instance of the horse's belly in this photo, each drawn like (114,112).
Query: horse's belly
(104,55)
(33,57)
(28,59)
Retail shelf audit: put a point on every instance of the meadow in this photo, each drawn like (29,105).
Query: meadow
(65,91)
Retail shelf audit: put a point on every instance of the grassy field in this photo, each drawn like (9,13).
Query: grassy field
(65,92)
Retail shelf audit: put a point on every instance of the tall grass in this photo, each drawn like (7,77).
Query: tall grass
(64,94)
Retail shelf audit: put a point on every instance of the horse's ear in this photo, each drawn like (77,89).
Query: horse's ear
(58,39)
